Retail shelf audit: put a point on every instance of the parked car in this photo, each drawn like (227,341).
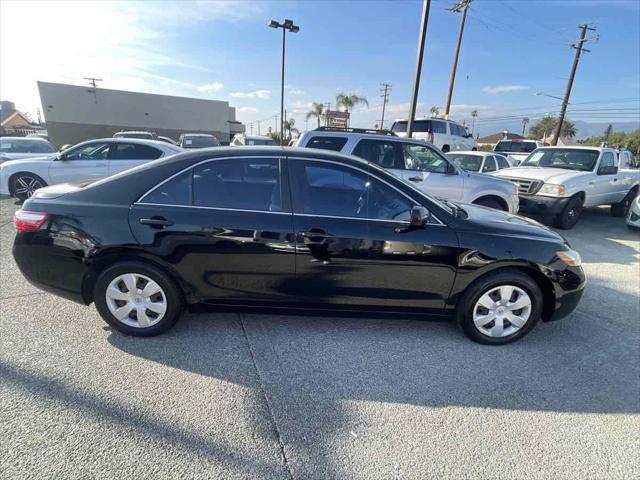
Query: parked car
(444,134)
(416,162)
(242,140)
(561,181)
(85,161)
(167,140)
(135,134)
(633,216)
(197,140)
(479,162)
(12,148)
(517,150)
(313,230)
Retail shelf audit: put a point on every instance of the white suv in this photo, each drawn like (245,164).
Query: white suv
(418,163)
(448,136)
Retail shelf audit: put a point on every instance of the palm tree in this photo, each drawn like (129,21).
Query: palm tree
(350,101)
(316,111)
(525,120)
(289,127)
(474,114)
(435,111)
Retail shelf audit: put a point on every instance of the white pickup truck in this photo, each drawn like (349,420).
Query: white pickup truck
(561,181)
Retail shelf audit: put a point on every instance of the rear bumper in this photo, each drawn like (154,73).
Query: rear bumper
(538,204)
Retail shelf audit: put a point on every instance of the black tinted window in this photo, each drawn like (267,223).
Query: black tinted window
(438,127)
(134,151)
(176,191)
(334,190)
(514,147)
(327,143)
(249,184)
(384,154)
(502,162)
(489,165)
(199,142)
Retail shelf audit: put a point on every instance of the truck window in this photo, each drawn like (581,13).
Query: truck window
(327,143)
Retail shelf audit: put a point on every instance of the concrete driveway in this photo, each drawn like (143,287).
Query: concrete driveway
(229,395)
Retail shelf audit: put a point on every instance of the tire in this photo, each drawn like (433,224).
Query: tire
(111,296)
(621,209)
(470,314)
(445,148)
(570,214)
(491,203)
(23,184)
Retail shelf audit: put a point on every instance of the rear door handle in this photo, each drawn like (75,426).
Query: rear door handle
(416,179)
(318,234)
(157,222)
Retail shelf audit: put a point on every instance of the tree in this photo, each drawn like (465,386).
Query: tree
(348,102)
(525,120)
(289,128)
(316,111)
(474,115)
(546,126)
(435,111)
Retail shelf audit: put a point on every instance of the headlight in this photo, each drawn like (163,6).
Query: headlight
(570,257)
(552,189)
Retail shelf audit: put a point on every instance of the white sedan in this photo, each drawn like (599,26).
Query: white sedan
(479,162)
(86,161)
(14,148)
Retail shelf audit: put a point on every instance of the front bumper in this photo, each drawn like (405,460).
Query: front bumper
(4,183)
(568,286)
(541,205)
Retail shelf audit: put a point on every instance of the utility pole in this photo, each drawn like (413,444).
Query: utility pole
(385,96)
(259,127)
(251,128)
(426,5)
(92,81)
(276,128)
(578,46)
(464,6)
(326,117)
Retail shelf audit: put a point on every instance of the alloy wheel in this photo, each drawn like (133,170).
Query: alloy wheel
(25,186)
(502,311)
(136,300)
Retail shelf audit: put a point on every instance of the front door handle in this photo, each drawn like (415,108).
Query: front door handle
(156,222)
(315,234)
(416,179)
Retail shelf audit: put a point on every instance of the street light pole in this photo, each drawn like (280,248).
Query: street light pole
(286,25)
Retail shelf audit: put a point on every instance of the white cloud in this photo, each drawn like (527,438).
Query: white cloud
(264,94)
(296,91)
(211,87)
(504,88)
(246,110)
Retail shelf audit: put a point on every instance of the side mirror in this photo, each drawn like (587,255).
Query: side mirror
(608,170)
(419,217)
(60,158)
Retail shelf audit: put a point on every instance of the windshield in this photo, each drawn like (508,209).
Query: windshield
(515,147)
(470,163)
(200,142)
(259,141)
(25,146)
(566,158)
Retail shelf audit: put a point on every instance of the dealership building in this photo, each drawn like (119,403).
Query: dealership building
(77,113)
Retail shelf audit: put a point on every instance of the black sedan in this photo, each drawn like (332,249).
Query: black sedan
(289,228)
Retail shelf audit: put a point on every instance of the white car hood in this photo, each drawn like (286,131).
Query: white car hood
(26,161)
(547,175)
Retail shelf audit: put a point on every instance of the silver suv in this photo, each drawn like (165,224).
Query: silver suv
(417,162)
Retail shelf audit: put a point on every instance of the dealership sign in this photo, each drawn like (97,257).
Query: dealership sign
(336,118)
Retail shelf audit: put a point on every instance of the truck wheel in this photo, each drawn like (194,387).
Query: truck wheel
(621,209)
(570,214)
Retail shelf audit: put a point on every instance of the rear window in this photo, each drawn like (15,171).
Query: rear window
(200,142)
(25,146)
(515,147)
(327,143)
(419,126)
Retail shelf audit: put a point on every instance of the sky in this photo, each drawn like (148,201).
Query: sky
(511,51)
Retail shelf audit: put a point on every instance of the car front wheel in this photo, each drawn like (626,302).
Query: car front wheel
(137,299)
(570,214)
(500,308)
(24,184)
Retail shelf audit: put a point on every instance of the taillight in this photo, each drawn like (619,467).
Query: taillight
(26,221)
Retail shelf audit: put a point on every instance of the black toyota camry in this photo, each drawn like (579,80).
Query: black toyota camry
(295,229)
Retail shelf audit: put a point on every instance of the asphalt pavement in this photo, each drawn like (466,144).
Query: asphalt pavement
(236,395)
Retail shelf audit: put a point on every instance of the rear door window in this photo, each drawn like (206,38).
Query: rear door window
(327,143)
(134,151)
(502,162)
(489,164)
(382,153)
(175,191)
(243,184)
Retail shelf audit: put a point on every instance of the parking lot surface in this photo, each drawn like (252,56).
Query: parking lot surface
(237,395)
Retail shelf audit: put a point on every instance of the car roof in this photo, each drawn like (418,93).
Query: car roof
(254,137)
(197,135)
(577,147)
(428,118)
(26,138)
(141,141)
(372,136)
(134,131)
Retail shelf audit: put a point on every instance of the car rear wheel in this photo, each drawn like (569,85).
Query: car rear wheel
(24,184)
(137,299)
(500,308)
(621,209)
(570,214)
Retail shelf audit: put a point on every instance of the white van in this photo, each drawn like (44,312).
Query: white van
(448,136)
